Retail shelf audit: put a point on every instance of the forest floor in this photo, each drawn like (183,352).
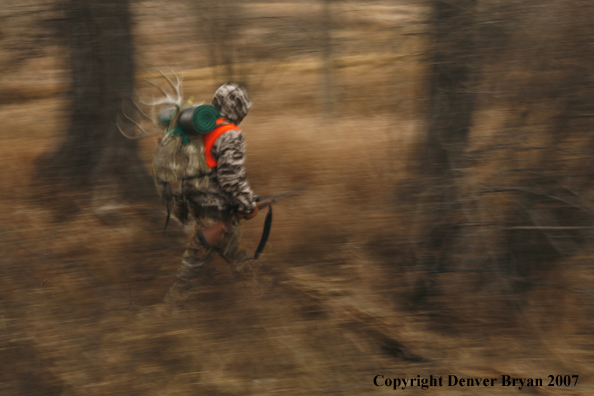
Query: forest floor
(324,311)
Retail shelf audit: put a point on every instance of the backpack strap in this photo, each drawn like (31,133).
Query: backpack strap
(167,199)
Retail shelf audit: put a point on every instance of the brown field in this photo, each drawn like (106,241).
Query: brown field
(325,309)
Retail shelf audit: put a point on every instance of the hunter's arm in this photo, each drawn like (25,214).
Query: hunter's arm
(229,150)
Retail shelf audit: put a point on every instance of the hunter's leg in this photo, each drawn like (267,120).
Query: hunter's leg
(230,249)
(195,258)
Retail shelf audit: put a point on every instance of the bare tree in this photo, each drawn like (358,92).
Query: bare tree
(93,155)
(328,89)
(451,105)
(513,202)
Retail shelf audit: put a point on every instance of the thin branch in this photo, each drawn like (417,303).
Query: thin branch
(528,191)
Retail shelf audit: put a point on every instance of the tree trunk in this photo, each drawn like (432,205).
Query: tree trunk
(328,88)
(450,117)
(452,101)
(94,156)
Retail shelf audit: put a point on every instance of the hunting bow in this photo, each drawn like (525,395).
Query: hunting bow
(210,236)
(268,221)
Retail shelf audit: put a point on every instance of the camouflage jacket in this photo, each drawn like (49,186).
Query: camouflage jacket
(228,188)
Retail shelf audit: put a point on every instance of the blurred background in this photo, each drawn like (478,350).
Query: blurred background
(446,227)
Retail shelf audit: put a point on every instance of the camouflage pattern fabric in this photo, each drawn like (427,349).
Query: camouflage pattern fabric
(177,167)
(229,188)
(232,101)
(227,191)
(197,256)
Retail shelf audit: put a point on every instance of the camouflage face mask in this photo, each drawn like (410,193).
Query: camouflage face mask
(232,101)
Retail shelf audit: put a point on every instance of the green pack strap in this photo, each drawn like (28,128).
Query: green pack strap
(176,130)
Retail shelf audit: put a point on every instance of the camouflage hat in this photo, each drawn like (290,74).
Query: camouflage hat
(232,101)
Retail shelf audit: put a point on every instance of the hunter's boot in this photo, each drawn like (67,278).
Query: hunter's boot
(179,292)
(238,258)
(195,258)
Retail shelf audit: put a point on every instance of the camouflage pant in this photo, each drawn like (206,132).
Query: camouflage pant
(197,256)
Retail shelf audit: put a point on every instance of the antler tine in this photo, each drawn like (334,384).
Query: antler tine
(177,87)
(174,86)
(118,120)
(142,112)
(158,102)
(172,100)
(144,132)
(176,98)
(180,90)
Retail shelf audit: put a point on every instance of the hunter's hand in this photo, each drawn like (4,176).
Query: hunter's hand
(252,214)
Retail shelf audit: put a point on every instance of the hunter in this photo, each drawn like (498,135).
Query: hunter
(228,192)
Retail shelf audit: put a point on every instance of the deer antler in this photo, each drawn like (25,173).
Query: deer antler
(144,132)
(125,121)
(175,99)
